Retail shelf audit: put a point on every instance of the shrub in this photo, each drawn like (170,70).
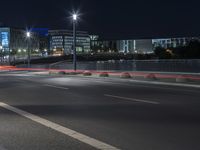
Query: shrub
(87,73)
(61,72)
(104,74)
(182,78)
(125,75)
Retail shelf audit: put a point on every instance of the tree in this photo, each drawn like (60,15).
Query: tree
(190,51)
(193,50)
(163,53)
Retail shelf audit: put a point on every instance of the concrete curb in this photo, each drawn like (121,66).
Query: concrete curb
(183,79)
(151,77)
(176,78)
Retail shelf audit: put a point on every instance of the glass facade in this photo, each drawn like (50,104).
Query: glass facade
(82,44)
(13,42)
(140,46)
(63,40)
(5,40)
(172,42)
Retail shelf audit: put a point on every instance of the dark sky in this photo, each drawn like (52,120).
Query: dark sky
(108,18)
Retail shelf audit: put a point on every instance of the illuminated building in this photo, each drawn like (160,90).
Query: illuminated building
(61,42)
(139,46)
(13,40)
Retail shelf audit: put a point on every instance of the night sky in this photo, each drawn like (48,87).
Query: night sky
(114,19)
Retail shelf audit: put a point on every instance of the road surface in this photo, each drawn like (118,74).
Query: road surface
(72,113)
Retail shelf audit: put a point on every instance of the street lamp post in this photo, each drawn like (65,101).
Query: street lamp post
(1,48)
(74,41)
(28,35)
(9,56)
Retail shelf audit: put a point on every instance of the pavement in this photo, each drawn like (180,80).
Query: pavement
(61,112)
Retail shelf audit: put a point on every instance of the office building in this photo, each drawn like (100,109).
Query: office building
(61,42)
(172,42)
(123,46)
(104,46)
(14,41)
(139,46)
(43,35)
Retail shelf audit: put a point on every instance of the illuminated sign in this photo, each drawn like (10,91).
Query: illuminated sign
(4,39)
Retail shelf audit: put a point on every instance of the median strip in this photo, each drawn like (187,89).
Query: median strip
(61,129)
(132,99)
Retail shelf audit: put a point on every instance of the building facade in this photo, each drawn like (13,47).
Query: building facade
(43,40)
(14,41)
(172,42)
(123,46)
(104,46)
(139,46)
(61,42)
(142,46)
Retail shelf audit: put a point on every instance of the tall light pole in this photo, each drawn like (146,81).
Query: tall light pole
(1,48)
(28,36)
(74,40)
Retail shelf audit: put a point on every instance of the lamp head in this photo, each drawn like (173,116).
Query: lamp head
(74,17)
(28,34)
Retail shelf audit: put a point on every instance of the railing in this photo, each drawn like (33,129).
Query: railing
(191,66)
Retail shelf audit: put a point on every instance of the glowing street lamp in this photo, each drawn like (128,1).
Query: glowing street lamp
(28,36)
(74,17)
(19,51)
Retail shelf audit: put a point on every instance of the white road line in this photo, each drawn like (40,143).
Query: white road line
(167,83)
(153,85)
(71,133)
(132,99)
(58,87)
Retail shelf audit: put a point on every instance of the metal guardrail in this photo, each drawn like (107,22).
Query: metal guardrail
(190,66)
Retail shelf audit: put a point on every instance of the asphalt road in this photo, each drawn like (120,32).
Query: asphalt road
(122,114)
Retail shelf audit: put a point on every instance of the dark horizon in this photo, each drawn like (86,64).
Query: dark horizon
(109,19)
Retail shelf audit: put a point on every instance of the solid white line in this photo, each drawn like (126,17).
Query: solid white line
(165,83)
(152,85)
(132,99)
(58,87)
(109,80)
(71,133)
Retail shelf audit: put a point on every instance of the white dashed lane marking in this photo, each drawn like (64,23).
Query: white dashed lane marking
(132,99)
(57,87)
